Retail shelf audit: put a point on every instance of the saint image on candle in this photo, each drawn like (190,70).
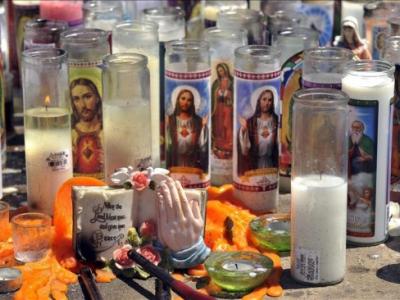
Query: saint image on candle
(258,147)
(86,126)
(362,168)
(222,116)
(187,131)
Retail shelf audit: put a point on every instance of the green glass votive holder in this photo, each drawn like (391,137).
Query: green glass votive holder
(239,270)
(271,232)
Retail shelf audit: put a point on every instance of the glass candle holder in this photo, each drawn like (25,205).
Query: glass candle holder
(251,20)
(4,221)
(86,50)
(69,11)
(102,15)
(171,26)
(142,37)
(257,86)
(126,112)
(294,40)
(280,20)
(319,186)
(223,43)
(370,86)
(187,112)
(32,235)
(394,26)
(43,33)
(392,55)
(324,67)
(213,7)
(47,125)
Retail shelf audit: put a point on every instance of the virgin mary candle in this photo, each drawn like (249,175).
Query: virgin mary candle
(370,86)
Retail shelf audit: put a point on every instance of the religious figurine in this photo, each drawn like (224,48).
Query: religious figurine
(350,39)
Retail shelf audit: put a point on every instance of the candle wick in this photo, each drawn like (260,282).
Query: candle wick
(236,267)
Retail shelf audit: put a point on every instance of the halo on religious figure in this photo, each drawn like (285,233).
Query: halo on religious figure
(256,94)
(177,90)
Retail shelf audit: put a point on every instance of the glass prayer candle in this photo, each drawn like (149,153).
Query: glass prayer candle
(69,11)
(142,37)
(213,7)
(187,112)
(257,86)
(324,67)
(43,33)
(280,20)
(102,15)
(86,50)
(47,124)
(370,86)
(223,43)
(171,26)
(126,112)
(294,40)
(392,55)
(319,186)
(251,20)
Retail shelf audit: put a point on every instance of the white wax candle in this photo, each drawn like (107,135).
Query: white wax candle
(371,86)
(127,134)
(48,155)
(318,228)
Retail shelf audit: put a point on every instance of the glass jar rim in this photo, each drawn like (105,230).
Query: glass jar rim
(144,26)
(102,8)
(84,37)
(164,12)
(302,32)
(245,14)
(125,60)
(44,55)
(328,53)
(51,25)
(321,97)
(258,51)
(369,68)
(216,32)
(187,45)
(42,216)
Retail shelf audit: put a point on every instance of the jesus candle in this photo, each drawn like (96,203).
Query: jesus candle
(319,186)
(370,86)
(257,88)
(47,125)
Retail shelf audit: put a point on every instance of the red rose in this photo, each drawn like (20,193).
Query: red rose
(120,256)
(140,180)
(147,230)
(150,254)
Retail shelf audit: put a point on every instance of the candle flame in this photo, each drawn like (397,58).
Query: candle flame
(47,101)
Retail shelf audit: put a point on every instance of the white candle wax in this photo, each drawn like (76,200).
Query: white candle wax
(318,228)
(373,87)
(127,134)
(48,155)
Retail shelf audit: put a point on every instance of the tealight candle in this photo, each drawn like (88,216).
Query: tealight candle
(319,186)
(47,125)
(238,271)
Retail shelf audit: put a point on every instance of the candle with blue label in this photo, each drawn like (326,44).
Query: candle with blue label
(370,86)
(187,112)
(256,121)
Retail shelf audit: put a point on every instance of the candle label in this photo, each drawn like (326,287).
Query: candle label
(87,122)
(102,217)
(395,174)
(291,82)
(256,152)
(378,41)
(187,111)
(309,85)
(307,265)
(60,160)
(222,118)
(363,129)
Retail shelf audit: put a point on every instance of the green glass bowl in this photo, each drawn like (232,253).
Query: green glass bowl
(239,270)
(271,232)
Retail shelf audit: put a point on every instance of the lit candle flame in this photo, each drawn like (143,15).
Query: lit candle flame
(47,101)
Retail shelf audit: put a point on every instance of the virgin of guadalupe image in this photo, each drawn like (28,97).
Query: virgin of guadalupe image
(257,136)
(222,112)
(187,132)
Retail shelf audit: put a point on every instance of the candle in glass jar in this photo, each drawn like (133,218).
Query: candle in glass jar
(319,186)
(47,125)
(370,86)
(69,11)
